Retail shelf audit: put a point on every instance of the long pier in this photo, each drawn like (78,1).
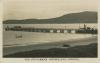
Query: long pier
(53,30)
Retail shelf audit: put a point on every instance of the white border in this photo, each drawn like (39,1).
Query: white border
(1,15)
(35,60)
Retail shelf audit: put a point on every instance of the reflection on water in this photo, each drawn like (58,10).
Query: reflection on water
(19,38)
(37,38)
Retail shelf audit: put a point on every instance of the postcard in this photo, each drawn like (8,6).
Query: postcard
(64,31)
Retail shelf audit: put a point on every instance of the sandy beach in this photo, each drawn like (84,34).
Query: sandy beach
(72,43)
(83,51)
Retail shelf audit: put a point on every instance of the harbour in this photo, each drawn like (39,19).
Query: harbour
(52,28)
(21,38)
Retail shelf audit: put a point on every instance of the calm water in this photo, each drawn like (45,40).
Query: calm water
(29,38)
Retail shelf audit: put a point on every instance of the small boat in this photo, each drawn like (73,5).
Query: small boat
(19,36)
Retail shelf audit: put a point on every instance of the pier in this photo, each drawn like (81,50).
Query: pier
(85,29)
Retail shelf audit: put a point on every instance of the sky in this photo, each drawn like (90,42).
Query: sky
(45,9)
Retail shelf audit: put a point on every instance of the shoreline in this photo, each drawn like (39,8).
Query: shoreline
(72,43)
(83,51)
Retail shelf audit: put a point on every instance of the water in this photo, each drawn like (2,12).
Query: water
(12,44)
(9,37)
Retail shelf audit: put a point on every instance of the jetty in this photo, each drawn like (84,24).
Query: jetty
(85,29)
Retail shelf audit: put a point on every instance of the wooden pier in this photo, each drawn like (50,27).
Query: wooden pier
(53,30)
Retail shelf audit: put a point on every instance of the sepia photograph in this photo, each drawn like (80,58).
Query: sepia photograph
(50,29)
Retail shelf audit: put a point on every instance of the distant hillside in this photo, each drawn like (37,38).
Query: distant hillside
(82,17)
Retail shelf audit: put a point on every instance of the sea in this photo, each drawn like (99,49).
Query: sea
(26,42)
(10,40)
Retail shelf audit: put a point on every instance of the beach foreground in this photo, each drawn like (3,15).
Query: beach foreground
(49,45)
(45,44)
(73,52)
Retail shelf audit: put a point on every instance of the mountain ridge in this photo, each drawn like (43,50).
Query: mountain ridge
(81,17)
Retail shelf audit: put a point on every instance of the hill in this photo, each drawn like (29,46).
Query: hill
(82,17)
